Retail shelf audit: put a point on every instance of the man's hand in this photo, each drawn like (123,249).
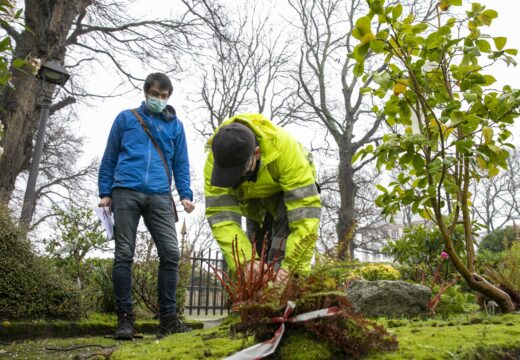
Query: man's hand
(105,202)
(188,205)
(257,268)
(282,277)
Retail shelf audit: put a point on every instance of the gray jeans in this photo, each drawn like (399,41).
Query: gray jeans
(156,209)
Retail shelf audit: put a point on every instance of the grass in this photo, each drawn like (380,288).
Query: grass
(477,336)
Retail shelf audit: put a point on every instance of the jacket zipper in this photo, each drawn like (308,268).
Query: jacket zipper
(148,163)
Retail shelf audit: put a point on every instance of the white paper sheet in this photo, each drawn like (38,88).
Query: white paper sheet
(105,216)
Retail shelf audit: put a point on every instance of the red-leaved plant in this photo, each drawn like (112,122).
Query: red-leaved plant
(253,282)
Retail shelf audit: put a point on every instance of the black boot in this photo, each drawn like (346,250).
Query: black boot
(170,324)
(125,327)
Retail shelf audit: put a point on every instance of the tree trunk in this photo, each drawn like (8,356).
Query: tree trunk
(346,226)
(475,281)
(48,24)
(19,124)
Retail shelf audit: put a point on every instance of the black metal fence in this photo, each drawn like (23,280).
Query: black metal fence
(205,294)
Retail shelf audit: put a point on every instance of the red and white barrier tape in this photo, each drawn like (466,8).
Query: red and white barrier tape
(261,350)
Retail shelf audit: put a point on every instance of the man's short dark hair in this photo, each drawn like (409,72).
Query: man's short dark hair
(159,78)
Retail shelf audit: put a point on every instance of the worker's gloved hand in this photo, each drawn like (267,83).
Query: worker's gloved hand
(282,277)
(256,267)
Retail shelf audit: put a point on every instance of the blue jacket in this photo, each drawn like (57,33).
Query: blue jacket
(131,160)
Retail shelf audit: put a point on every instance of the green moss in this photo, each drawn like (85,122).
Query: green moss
(463,337)
(39,349)
(94,325)
(307,346)
(204,344)
(457,338)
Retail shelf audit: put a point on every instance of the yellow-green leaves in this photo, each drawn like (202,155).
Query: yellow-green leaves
(487,16)
(487,133)
(419,28)
(362,28)
(500,42)
(361,154)
(362,32)
(457,117)
(359,69)
(489,80)
(444,5)
(399,88)
(397,11)
(483,45)
(376,6)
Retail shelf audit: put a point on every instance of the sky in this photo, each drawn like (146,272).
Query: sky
(95,121)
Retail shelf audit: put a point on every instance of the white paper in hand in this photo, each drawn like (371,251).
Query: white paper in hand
(105,216)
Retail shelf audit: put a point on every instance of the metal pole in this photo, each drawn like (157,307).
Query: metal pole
(28,201)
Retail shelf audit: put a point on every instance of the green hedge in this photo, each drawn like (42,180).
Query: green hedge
(31,286)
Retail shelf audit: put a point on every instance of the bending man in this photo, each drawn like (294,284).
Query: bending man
(258,170)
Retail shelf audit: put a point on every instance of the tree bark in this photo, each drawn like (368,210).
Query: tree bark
(474,281)
(346,226)
(48,23)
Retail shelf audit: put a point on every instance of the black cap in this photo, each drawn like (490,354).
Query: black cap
(232,146)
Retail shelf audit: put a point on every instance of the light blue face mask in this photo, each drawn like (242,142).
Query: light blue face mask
(155,105)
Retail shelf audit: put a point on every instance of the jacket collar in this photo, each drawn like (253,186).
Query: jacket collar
(168,113)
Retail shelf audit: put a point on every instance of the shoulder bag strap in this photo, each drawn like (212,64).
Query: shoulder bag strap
(161,155)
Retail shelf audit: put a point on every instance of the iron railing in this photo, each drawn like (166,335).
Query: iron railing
(205,294)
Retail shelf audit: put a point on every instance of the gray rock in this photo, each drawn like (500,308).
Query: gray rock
(389,298)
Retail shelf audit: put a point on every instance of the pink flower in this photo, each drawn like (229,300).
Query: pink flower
(444,255)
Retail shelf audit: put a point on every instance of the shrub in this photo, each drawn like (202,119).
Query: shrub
(455,301)
(375,272)
(418,252)
(31,286)
(145,284)
(507,273)
(334,272)
(184,282)
(497,241)
(76,234)
(100,287)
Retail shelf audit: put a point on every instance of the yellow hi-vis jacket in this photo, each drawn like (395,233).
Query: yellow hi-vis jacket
(285,166)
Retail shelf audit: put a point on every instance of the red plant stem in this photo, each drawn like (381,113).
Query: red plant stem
(247,286)
(432,304)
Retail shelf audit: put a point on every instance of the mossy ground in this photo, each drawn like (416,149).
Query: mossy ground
(476,336)
(38,349)
(95,325)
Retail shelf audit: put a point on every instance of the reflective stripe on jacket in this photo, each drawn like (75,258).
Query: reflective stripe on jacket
(285,166)
(131,160)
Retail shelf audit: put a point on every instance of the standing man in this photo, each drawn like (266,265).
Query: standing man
(258,170)
(135,180)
